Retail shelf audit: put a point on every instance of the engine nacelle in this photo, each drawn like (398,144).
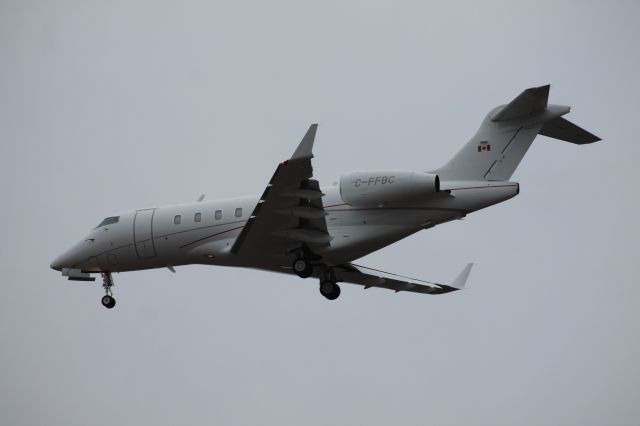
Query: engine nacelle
(376,188)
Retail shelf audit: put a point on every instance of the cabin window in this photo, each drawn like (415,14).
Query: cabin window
(218,214)
(197,217)
(239,212)
(109,221)
(177,219)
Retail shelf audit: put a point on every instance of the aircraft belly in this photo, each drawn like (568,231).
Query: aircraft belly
(353,242)
(358,232)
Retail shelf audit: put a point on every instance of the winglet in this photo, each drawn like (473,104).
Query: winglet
(460,282)
(305,149)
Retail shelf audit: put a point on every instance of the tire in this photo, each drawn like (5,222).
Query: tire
(108,301)
(335,294)
(302,268)
(330,290)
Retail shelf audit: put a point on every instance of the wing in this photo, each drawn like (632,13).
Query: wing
(354,274)
(289,214)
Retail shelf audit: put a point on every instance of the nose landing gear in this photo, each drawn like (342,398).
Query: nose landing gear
(107,282)
(108,301)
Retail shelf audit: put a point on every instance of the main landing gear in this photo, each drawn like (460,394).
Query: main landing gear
(303,268)
(328,286)
(107,282)
(330,290)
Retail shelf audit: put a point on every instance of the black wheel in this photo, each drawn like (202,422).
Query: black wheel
(330,290)
(302,268)
(108,301)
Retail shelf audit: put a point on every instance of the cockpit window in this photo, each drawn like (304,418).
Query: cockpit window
(109,221)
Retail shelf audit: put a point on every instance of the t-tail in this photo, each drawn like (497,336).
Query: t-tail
(507,133)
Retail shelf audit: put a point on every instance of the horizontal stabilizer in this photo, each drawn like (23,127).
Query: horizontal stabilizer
(531,101)
(562,129)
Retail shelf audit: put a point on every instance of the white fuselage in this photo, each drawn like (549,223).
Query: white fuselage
(299,228)
(153,238)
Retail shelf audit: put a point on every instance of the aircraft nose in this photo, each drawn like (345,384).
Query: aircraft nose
(56,264)
(70,258)
(62,261)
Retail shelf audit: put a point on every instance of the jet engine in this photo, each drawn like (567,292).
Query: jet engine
(376,188)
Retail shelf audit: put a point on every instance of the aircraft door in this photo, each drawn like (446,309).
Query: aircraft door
(143,233)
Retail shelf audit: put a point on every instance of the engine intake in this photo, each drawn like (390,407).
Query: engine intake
(377,188)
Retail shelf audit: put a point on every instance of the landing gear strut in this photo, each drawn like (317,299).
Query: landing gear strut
(303,268)
(107,282)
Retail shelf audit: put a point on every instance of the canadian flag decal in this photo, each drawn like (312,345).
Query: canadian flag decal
(484,146)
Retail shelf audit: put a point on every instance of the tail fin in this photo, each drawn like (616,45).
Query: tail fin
(506,134)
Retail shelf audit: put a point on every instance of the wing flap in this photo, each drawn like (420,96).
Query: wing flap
(312,236)
(303,212)
(309,194)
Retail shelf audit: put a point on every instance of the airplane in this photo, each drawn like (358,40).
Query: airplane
(298,227)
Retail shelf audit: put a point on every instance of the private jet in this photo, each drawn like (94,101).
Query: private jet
(296,226)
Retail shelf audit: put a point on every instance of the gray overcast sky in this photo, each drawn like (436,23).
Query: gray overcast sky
(110,106)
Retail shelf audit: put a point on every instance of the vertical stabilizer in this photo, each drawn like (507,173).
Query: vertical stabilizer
(506,134)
